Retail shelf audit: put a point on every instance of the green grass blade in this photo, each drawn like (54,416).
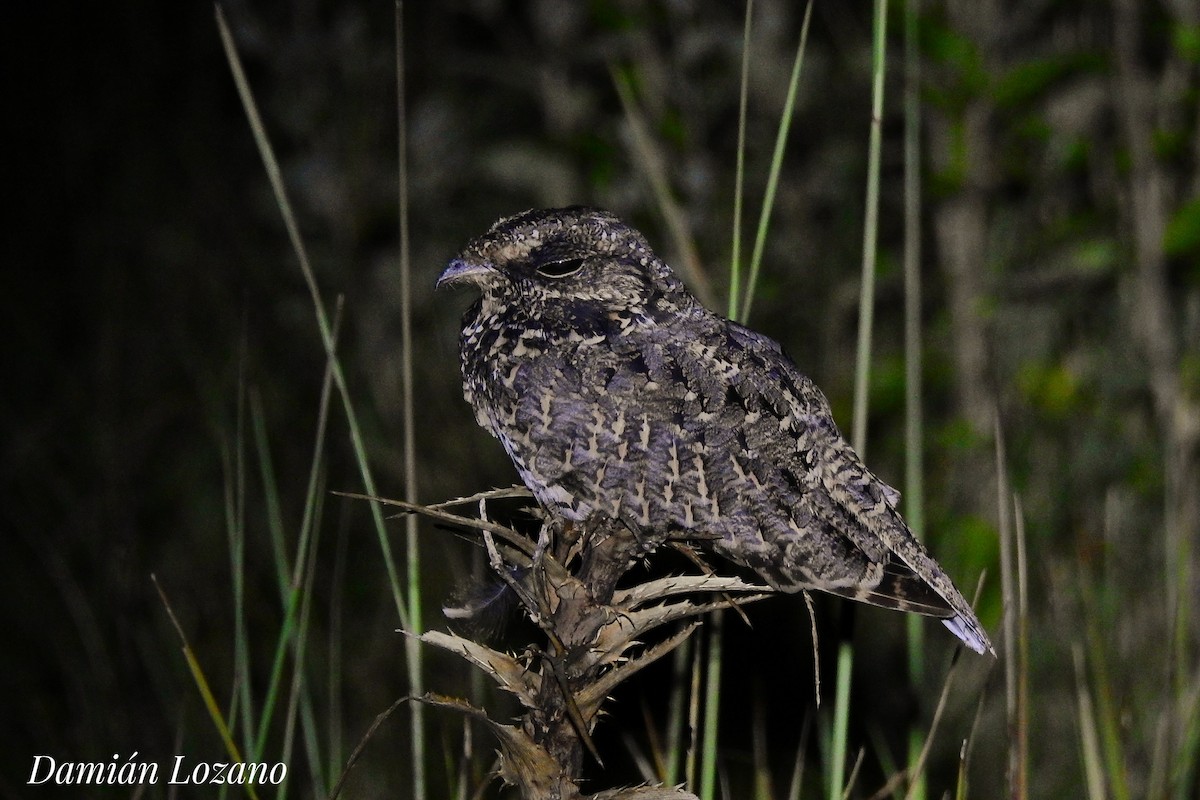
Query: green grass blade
(271,164)
(335,749)
(1016,658)
(914,428)
(1016,623)
(1108,721)
(841,710)
(866,307)
(655,169)
(888,765)
(412,648)
(735,258)
(1022,644)
(839,735)
(858,761)
(962,785)
(785,124)
(762,766)
(712,708)
(1093,763)
(299,699)
(241,704)
(291,592)
(210,702)
(274,511)
(675,712)
(797,781)
(914,467)
(1187,753)
(694,715)
(917,769)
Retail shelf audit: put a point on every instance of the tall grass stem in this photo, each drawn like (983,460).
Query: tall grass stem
(712,707)
(275,177)
(412,647)
(914,453)
(866,307)
(735,258)
(839,744)
(781,136)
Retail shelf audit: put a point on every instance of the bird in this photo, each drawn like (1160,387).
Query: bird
(615,392)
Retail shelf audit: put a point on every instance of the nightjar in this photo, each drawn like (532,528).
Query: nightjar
(615,392)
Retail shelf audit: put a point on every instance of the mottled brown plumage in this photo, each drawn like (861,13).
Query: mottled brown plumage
(615,392)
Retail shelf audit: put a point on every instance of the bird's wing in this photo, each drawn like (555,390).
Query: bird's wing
(702,431)
(716,434)
(863,507)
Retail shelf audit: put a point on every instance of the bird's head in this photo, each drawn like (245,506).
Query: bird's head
(548,259)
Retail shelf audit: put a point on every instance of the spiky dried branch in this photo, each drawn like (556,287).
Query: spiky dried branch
(595,638)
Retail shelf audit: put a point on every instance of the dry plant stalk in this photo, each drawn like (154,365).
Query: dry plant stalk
(593,635)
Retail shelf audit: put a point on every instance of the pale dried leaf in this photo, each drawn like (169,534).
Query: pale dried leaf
(650,591)
(592,696)
(620,634)
(523,762)
(490,494)
(646,793)
(509,674)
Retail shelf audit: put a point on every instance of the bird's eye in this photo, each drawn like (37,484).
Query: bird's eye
(560,268)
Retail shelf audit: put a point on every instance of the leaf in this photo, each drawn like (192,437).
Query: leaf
(592,696)
(663,588)
(524,763)
(508,673)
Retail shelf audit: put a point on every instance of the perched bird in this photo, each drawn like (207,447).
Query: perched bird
(615,392)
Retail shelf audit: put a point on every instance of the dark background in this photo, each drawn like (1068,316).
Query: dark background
(151,299)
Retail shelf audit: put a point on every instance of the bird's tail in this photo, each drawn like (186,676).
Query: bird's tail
(902,589)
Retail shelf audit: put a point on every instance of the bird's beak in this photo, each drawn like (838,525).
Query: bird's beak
(462,271)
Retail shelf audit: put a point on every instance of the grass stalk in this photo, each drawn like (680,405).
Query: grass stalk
(853,779)
(866,306)
(1179,728)
(712,707)
(797,781)
(335,748)
(274,511)
(914,427)
(1093,763)
(768,203)
(299,697)
(735,258)
(274,176)
(655,169)
(1016,786)
(1022,644)
(841,711)
(210,701)
(291,594)
(690,763)
(897,774)
(914,467)
(412,647)
(839,736)
(916,770)
(1014,580)
(762,764)
(675,713)
(235,513)
(1184,763)
(1107,713)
